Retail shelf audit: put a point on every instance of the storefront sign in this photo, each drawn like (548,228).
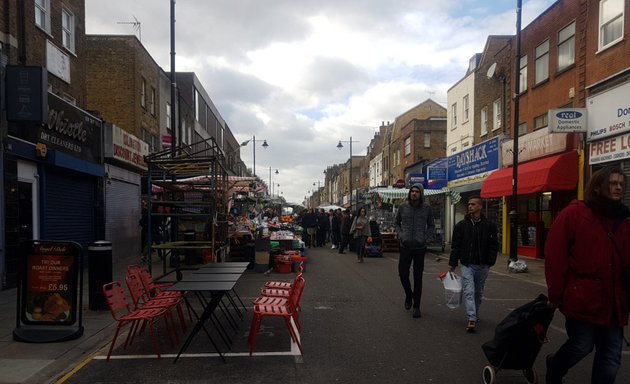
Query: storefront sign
(608,113)
(57,62)
(479,159)
(437,174)
(27,95)
(567,120)
(534,145)
(68,129)
(610,149)
(416,178)
(125,147)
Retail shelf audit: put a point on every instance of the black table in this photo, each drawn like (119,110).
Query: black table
(227,264)
(238,270)
(218,289)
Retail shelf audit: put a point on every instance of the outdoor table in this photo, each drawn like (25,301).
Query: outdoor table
(218,290)
(218,277)
(227,264)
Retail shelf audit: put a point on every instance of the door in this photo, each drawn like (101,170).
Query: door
(28,201)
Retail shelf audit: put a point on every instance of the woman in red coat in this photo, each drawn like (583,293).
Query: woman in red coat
(585,252)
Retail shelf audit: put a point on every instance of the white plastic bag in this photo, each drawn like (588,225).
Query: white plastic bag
(517,266)
(452,290)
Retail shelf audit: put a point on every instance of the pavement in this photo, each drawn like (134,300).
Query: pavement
(37,363)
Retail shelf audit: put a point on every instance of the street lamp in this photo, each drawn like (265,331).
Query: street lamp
(253,140)
(515,151)
(350,170)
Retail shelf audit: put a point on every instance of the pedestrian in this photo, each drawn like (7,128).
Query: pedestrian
(474,246)
(309,223)
(361,230)
(414,227)
(346,224)
(323,225)
(335,228)
(587,250)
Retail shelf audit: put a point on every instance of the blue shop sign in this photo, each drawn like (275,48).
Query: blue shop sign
(416,178)
(437,174)
(480,158)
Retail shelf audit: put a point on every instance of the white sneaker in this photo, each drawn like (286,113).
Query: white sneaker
(333,247)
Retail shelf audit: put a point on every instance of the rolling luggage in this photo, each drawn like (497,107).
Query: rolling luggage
(518,339)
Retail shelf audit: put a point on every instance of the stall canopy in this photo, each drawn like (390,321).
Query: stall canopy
(555,173)
(390,194)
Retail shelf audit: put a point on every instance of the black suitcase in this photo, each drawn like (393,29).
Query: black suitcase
(518,339)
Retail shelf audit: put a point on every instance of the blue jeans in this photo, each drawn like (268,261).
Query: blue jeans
(473,281)
(583,337)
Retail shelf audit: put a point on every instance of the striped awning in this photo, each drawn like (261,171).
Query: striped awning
(390,194)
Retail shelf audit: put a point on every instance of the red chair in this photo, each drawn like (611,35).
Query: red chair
(122,313)
(141,299)
(285,284)
(153,289)
(287,312)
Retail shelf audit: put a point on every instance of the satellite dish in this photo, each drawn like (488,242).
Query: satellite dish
(491,70)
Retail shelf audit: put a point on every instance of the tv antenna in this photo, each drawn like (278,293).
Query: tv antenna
(430,92)
(137,26)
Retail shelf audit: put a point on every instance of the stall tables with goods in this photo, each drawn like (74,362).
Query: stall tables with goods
(287,250)
(390,242)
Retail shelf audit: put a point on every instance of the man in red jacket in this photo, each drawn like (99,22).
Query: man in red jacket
(585,254)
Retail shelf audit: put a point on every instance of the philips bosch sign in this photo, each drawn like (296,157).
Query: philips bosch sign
(567,120)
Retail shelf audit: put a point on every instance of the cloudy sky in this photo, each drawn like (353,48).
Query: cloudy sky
(304,74)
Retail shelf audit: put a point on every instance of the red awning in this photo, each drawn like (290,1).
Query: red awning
(555,173)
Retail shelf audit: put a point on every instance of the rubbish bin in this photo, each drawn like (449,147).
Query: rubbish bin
(99,272)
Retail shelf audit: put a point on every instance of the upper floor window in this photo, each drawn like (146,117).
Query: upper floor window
(42,14)
(454,116)
(408,146)
(67,29)
(153,97)
(484,121)
(496,114)
(143,93)
(427,139)
(523,75)
(541,121)
(542,62)
(522,129)
(168,117)
(610,22)
(566,46)
(466,105)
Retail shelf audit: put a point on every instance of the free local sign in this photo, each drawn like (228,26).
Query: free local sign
(608,113)
(609,149)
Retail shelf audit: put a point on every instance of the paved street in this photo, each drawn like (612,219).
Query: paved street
(355,330)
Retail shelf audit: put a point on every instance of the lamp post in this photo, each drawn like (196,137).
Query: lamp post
(270,189)
(340,145)
(515,150)
(253,140)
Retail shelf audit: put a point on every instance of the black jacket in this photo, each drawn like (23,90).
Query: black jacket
(462,244)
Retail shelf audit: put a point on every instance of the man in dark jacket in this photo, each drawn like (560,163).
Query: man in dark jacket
(474,245)
(414,227)
(335,228)
(346,224)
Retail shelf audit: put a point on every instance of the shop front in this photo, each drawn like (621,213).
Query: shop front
(545,186)
(608,132)
(53,174)
(466,172)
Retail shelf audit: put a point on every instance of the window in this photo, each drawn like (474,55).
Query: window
(168,118)
(484,121)
(566,46)
(523,75)
(408,146)
(496,114)
(427,139)
(42,14)
(454,149)
(522,129)
(466,108)
(540,121)
(542,62)
(150,139)
(610,22)
(454,116)
(143,93)
(153,101)
(196,104)
(67,29)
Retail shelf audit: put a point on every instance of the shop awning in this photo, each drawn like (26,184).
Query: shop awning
(555,173)
(391,194)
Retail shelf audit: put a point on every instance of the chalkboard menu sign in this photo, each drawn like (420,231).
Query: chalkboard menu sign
(49,290)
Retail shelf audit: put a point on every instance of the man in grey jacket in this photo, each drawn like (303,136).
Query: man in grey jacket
(414,227)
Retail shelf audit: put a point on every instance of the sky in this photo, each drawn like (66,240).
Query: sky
(305,74)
